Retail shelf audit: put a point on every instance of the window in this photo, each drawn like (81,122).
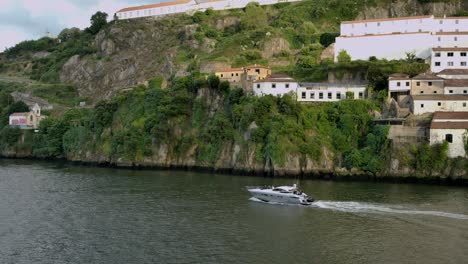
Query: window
(465,91)
(378,24)
(273,85)
(303,95)
(451,91)
(320,95)
(429,83)
(232,74)
(463,63)
(237,74)
(312,95)
(257,71)
(258,86)
(422,105)
(439,104)
(437,63)
(450,54)
(434,92)
(450,63)
(398,84)
(464,104)
(455,39)
(361,95)
(338,96)
(286,85)
(441,22)
(462,54)
(439,39)
(456,21)
(222,75)
(437,54)
(449,138)
(365,24)
(407,83)
(330,95)
(418,83)
(419,30)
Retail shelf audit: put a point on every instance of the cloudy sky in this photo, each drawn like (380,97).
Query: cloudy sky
(31,19)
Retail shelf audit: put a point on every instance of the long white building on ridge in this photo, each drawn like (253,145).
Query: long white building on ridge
(188,6)
(392,38)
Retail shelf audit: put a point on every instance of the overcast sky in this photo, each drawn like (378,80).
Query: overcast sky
(31,19)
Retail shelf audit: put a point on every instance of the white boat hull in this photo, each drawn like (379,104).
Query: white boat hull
(287,198)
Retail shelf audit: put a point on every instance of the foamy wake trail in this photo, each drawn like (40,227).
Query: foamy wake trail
(357,207)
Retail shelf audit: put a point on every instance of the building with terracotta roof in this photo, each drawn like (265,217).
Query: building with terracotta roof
(393,38)
(27,120)
(451,128)
(423,104)
(244,76)
(277,85)
(187,6)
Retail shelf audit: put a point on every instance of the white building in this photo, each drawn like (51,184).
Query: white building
(329,92)
(456,87)
(449,58)
(422,104)
(393,38)
(452,128)
(27,120)
(188,6)
(276,85)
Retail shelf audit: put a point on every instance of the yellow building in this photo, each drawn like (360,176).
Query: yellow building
(244,74)
(257,72)
(232,75)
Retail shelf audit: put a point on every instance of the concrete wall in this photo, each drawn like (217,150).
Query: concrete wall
(456,90)
(405,134)
(330,94)
(457,147)
(430,106)
(427,87)
(385,46)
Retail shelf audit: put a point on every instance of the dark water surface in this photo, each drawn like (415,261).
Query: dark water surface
(59,213)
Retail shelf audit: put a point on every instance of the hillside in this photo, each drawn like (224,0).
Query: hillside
(154,106)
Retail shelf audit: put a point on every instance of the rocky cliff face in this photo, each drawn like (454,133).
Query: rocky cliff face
(129,53)
(412,8)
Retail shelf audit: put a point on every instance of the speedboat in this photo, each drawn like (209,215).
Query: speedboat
(281,194)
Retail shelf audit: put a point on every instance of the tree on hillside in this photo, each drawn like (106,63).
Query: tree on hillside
(98,21)
(69,33)
(326,39)
(17,107)
(344,57)
(254,17)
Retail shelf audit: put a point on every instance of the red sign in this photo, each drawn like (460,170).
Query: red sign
(20,121)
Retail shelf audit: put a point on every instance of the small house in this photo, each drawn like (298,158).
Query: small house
(452,128)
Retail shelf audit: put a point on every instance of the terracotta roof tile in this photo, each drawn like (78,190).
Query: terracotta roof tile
(385,19)
(20,114)
(427,76)
(451,49)
(449,125)
(456,83)
(134,8)
(450,115)
(454,72)
(440,97)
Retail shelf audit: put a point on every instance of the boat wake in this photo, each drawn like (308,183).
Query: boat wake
(373,208)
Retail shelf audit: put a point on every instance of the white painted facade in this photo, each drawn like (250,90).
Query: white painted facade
(451,128)
(422,104)
(275,86)
(449,58)
(188,6)
(456,148)
(399,85)
(329,92)
(393,38)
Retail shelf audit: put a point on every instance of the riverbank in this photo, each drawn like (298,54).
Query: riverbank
(327,176)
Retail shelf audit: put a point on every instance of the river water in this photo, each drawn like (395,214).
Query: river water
(60,213)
